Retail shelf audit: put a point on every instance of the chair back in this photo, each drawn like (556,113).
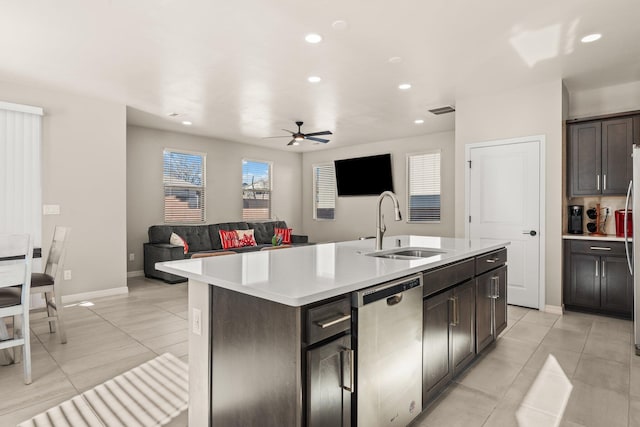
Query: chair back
(16,253)
(57,252)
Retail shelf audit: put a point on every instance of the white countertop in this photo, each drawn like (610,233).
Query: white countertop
(305,274)
(608,237)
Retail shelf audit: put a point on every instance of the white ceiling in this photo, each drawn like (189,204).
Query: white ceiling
(238,69)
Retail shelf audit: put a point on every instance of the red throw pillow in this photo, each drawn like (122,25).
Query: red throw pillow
(285,233)
(229,239)
(246,237)
(179,241)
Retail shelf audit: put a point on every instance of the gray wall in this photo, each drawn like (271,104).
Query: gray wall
(605,100)
(535,110)
(223,186)
(355,216)
(83,171)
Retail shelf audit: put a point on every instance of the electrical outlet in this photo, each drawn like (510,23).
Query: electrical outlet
(132,257)
(67,275)
(196,322)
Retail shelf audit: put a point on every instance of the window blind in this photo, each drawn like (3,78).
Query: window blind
(324,190)
(256,190)
(424,187)
(184,186)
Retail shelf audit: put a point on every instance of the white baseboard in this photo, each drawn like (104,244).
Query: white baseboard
(553,309)
(135,273)
(95,294)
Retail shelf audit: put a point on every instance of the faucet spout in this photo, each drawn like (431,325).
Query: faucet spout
(380,226)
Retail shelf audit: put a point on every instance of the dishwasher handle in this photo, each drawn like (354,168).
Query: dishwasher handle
(396,299)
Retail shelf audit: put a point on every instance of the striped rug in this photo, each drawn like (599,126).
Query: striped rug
(152,394)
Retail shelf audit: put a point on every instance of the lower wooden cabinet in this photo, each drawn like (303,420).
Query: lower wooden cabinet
(448,337)
(596,277)
(491,306)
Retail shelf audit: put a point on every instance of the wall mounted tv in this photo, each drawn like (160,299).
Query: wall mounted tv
(364,176)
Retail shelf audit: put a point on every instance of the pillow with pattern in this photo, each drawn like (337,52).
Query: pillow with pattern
(246,237)
(179,241)
(229,239)
(285,233)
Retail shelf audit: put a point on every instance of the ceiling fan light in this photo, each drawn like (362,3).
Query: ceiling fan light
(296,142)
(298,137)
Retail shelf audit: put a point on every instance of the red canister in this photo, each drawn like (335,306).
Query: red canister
(620,223)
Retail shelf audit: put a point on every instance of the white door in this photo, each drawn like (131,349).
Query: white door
(504,203)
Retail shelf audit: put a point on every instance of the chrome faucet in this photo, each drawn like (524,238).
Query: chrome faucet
(380,226)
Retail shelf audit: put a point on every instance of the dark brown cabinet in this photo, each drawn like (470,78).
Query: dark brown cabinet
(491,306)
(597,277)
(600,157)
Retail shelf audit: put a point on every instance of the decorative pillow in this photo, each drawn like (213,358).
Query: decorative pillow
(179,241)
(246,237)
(229,239)
(285,233)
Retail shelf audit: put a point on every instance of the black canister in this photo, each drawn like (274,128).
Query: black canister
(575,219)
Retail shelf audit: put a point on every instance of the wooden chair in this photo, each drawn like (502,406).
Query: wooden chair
(271,248)
(15,283)
(209,254)
(49,283)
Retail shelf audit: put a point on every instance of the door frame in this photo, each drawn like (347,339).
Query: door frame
(541,139)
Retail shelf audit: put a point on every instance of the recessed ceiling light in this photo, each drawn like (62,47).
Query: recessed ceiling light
(314,79)
(187,123)
(395,59)
(418,121)
(591,38)
(313,38)
(404,86)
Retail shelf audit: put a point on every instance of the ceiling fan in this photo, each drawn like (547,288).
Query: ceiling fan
(299,136)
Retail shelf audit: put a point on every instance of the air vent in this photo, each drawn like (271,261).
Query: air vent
(442,110)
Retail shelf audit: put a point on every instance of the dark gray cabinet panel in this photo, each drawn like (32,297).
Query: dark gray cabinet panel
(491,306)
(328,369)
(617,140)
(463,345)
(596,277)
(500,299)
(585,163)
(437,369)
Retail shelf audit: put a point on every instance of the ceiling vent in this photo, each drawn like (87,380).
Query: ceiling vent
(442,110)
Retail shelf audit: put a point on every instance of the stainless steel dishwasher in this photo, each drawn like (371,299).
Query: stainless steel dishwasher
(388,341)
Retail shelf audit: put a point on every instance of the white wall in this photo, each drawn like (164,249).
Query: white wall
(604,100)
(83,171)
(533,110)
(355,216)
(145,196)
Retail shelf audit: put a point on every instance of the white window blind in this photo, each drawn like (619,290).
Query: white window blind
(20,176)
(324,190)
(256,190)
(423,176)
(184,186)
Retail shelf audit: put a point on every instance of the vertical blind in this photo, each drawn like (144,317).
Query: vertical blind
(324,190)
(184,186)
(20,176)
(424,187)
(256,190)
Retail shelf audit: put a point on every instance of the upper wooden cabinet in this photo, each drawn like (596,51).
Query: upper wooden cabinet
(600,157)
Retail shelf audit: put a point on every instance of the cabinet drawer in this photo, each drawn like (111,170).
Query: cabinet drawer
(597,247)
(449,275)
(328,319)
(490,261)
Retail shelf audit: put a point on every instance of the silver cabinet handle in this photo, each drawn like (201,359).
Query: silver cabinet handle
(599,248)
(603,269)
(495,284)
(456,312)
(597,264)
(493,260)
(452,311)
(333,321)
(604,181)
(597,182)
(351,387)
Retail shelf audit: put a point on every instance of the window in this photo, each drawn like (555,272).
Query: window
(256,190)
(184,186)
(423,176)
(324,192)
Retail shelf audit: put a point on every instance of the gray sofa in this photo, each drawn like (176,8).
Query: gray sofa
(202,238)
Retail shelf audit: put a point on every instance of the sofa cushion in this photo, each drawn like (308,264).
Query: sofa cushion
(264,231)
(196,236)
(214,231)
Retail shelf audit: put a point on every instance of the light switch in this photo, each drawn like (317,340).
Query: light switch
(50,209)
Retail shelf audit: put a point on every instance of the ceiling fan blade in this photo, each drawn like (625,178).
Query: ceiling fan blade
(325,132)
(281,136)
(316,139)
(287,130)
(292,141)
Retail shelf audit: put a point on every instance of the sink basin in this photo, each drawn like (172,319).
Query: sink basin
(407,253)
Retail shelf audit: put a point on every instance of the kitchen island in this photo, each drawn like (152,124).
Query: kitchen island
(262,322)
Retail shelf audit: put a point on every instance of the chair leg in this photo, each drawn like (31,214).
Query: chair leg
(17,333)
(50,312)
(27,349)
(59,316)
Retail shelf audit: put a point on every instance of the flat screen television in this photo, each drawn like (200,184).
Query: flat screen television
(364,176)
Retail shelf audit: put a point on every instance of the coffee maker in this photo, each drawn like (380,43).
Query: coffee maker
(575,219)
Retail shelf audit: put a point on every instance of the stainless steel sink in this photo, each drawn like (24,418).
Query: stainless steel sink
(407,253)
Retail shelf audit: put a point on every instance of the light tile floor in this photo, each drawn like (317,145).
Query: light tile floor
(516,383)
